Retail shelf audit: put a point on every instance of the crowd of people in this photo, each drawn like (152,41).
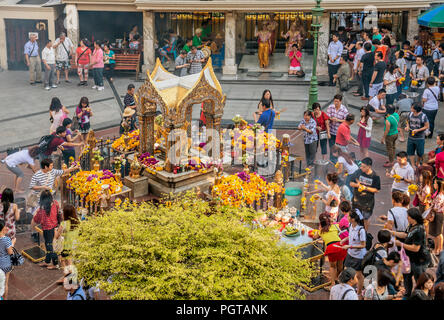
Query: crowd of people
(58,56)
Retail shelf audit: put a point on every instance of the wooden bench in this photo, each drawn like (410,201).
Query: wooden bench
(128,62)
(124,62)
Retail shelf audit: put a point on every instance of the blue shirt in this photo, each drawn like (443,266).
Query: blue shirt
(419,51)
(77,295)
(335,50)
(28,48)
(266,119)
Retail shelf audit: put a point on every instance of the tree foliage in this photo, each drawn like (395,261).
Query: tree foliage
(187,249)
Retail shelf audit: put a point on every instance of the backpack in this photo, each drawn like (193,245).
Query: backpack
(44,143)
(370,257)
(368,239)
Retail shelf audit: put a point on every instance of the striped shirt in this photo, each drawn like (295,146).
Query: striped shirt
(340,114)
(196,66)
(44,179)
(5,259)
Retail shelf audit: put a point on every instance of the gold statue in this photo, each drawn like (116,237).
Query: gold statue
(264,39)
(279,178)
(294,36)
(135,167)
(104,198)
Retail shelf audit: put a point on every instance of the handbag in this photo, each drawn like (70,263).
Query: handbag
(75,123)
(16,258)
(32,200)
(415,202)
(405,267)
(57,244)
(323,135)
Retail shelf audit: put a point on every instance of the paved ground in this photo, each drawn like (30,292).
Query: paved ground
(24,119)
(24,116)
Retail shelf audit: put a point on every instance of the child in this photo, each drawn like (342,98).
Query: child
(84,114)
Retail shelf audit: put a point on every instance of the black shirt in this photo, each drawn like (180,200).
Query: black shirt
(365,200)
(416,236)
(368,60)
(129,101)
(380,68)
(380,265)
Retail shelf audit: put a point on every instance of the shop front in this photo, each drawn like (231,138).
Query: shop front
(233,24)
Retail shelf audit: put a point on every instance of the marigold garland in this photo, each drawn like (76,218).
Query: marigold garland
(133,143)
(243,189)
(88,184)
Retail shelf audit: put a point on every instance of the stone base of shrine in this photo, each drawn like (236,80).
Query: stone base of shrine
(139,186)
(164,182)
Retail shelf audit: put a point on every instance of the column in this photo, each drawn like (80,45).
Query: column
(72,24)
(240,32)
(148,41)
(412,25)
(3,52)
(230,66)
(323,44)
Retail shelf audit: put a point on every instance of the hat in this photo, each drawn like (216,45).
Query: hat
(128,112)
(346,275)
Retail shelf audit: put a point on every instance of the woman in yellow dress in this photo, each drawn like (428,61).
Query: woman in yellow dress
(264,42)
(294,37)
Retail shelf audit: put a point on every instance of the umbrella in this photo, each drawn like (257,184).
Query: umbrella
(433,18)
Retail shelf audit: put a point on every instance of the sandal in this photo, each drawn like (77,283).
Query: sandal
(57,267)
(43,265)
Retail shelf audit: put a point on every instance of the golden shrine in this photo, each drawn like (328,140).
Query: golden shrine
(175,97)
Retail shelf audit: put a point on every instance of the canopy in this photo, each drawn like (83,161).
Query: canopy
(433,18)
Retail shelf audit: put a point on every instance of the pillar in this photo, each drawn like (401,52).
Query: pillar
(3,53)
(71,24)
(240,33)
(230,66)
(149,36)
(412,25)
(323,38)
(146,125)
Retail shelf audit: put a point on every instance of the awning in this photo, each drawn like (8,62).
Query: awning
(433,18)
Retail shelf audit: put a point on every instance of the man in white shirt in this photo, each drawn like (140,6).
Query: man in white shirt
(403,169)
(64,48)
(397,216)
(48,59)
(345,290)
(430,98)
(377,102)
(334,54)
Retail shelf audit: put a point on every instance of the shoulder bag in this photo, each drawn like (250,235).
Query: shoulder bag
(16,258)
(67,52)
(78,58)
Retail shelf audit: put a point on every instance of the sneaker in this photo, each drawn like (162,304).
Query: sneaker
(101,88)
(47,88)
(84,83)
(80,83)
(53,86)
(94,87)
(68,81)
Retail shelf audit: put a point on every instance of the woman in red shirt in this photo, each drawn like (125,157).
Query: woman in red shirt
(322,128)
(48,217)
(83,59)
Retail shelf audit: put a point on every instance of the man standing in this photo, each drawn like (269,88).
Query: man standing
(195,58)
(337,113)
(436,56)
(377,80)
(376,34)
(33,60)
(343,135)
(129,102)
(181,64)
(403,107)
(431,102)
(64,48)
(417,124)
(419,51)
(267,118)
(342,77)
(366,67)
(365,183)
(403,169)
(356,68)
(419,74)
(334,54)
(48,58)
(390,135)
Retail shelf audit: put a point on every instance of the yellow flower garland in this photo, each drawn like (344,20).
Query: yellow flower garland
(133,143)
